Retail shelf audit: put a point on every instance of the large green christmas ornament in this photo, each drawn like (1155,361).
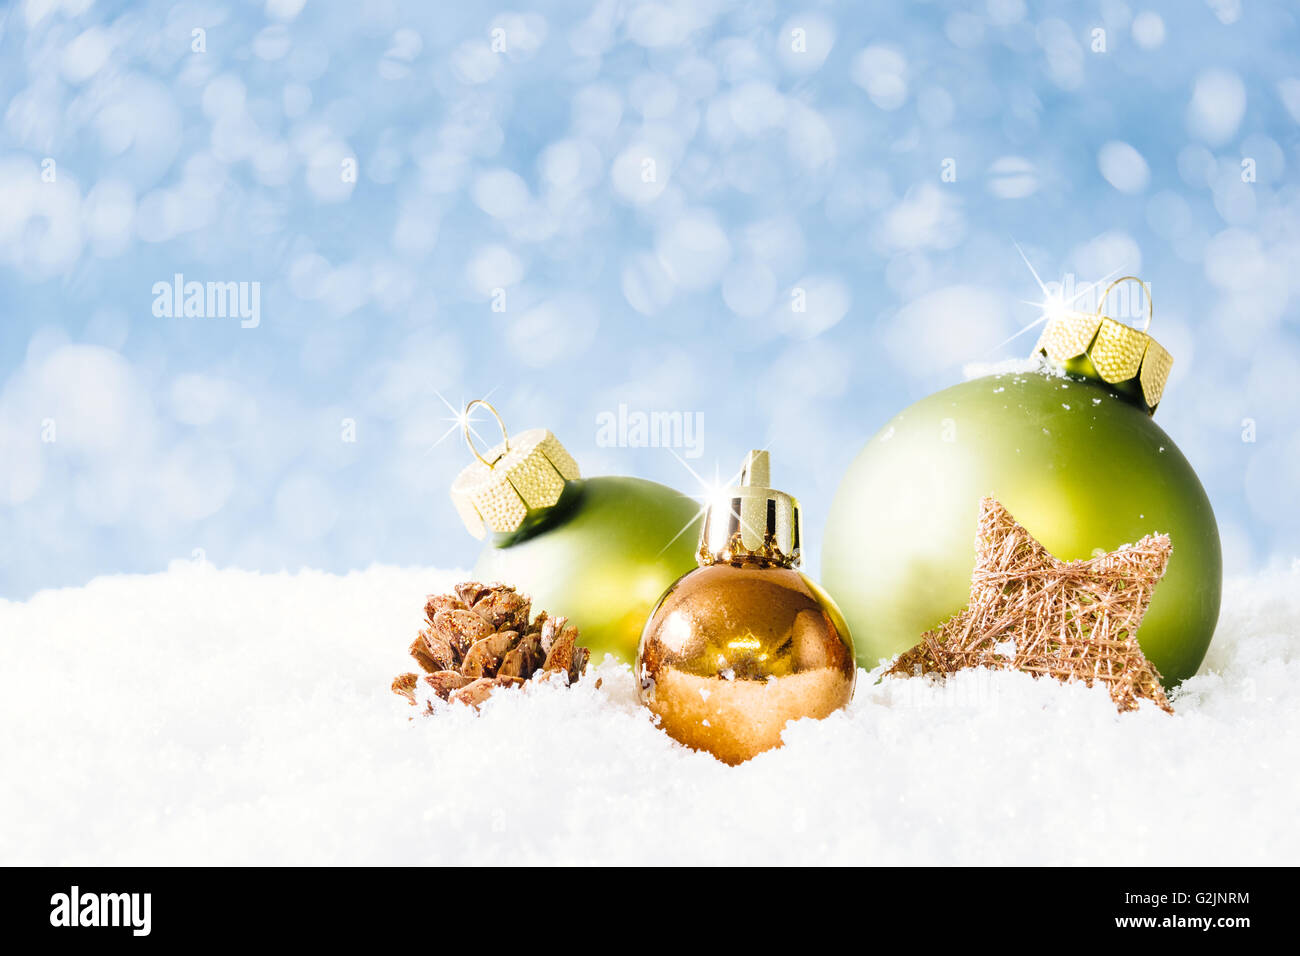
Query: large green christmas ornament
(1071,449)
(599,551)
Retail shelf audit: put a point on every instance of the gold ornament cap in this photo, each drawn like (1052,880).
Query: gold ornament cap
(1119,352)
(498,490)
(751,521)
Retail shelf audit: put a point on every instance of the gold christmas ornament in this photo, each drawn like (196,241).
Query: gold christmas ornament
(480,639)
(744,643)
(1029,611)
(1117,353)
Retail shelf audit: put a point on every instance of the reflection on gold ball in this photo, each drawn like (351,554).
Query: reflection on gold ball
(730,654)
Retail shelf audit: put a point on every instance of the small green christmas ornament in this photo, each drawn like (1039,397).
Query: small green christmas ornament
(1070,449)
(598,550)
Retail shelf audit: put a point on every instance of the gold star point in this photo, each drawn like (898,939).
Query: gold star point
(1030,611)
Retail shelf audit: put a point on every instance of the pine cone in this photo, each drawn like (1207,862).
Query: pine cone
(479,639)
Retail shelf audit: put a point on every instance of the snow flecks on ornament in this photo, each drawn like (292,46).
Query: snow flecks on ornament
(245,767)
(1035,364)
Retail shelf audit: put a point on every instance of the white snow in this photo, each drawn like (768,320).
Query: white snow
(207,716)
(1035,364)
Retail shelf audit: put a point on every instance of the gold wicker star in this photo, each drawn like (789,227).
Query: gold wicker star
(1029,611)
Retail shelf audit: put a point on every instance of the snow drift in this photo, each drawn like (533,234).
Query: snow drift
(203,716)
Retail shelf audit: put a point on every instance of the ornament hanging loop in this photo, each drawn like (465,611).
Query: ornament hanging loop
(469,439)
(1145,288)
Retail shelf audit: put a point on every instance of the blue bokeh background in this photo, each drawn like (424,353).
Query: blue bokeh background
(574,206)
